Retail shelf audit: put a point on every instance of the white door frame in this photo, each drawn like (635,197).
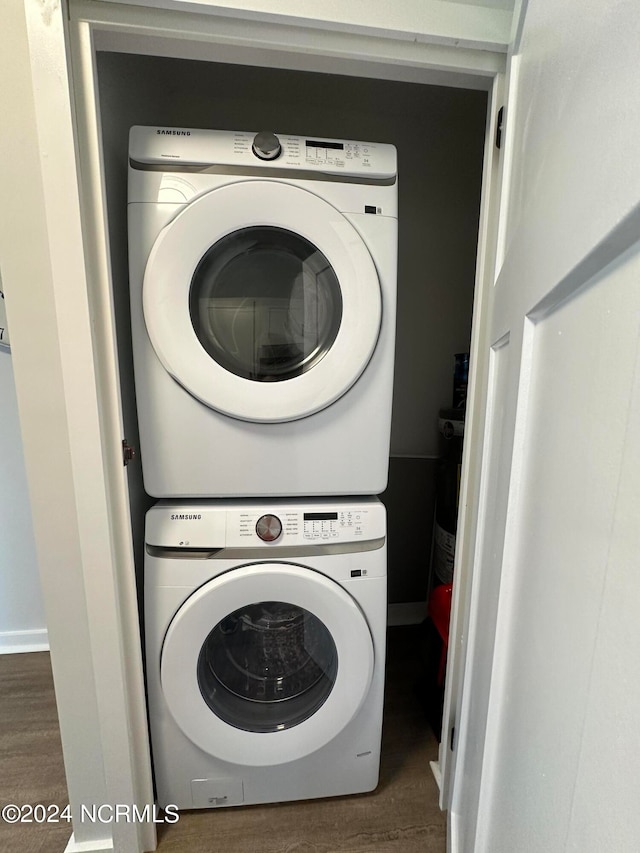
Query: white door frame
(63,336)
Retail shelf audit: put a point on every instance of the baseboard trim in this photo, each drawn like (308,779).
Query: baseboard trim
(103,845)
(437,773)
(17,642)
(408,613)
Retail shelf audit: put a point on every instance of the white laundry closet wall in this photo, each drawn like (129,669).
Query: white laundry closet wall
(22,621)
(439,134)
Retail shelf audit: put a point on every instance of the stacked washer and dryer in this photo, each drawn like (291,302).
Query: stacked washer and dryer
(263,287)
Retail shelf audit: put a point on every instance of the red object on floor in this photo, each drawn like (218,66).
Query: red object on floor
(439,611)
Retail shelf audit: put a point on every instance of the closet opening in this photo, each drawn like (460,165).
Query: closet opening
(439,132)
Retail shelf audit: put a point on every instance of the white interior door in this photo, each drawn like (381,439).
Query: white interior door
(546,738)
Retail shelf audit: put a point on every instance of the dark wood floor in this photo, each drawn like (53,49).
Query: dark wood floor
(31,768)
(401,815)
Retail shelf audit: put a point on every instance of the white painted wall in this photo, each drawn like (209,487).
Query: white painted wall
(22,621)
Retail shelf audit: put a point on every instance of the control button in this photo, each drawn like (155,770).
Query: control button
(266,146)
(268,528)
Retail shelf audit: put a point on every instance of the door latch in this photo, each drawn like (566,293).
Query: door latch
(499,123)
(128,452)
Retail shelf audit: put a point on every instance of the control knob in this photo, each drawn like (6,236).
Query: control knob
(266,145)
(268,528)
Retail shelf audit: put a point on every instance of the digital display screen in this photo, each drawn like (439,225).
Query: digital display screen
(321,516)
(338,146)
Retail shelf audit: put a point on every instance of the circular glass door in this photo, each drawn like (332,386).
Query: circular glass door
(265,304)
(267,666)
(266,663)
(262,300)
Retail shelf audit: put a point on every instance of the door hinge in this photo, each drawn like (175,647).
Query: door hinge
(128,452)
(452,738)
(499,128)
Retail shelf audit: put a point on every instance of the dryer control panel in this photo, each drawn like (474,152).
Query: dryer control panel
(265,524)
(190,149)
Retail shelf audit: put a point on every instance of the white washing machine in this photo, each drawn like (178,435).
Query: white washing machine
(263,293)
(265,647)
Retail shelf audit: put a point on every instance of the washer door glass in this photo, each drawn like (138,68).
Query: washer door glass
(265,303)
(266,663)
(267,667)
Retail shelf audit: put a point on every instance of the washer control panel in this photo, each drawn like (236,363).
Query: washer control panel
(268,524)
(334,525)
(315,525)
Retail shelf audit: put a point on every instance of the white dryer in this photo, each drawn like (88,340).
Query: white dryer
(263,293)
(265,647)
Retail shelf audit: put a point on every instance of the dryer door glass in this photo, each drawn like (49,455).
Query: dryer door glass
(267,667)
(265,303)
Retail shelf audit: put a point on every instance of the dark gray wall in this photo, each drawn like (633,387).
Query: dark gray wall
(439,134)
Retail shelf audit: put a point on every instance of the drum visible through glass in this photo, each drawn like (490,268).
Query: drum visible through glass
(267,666)
(265,303)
